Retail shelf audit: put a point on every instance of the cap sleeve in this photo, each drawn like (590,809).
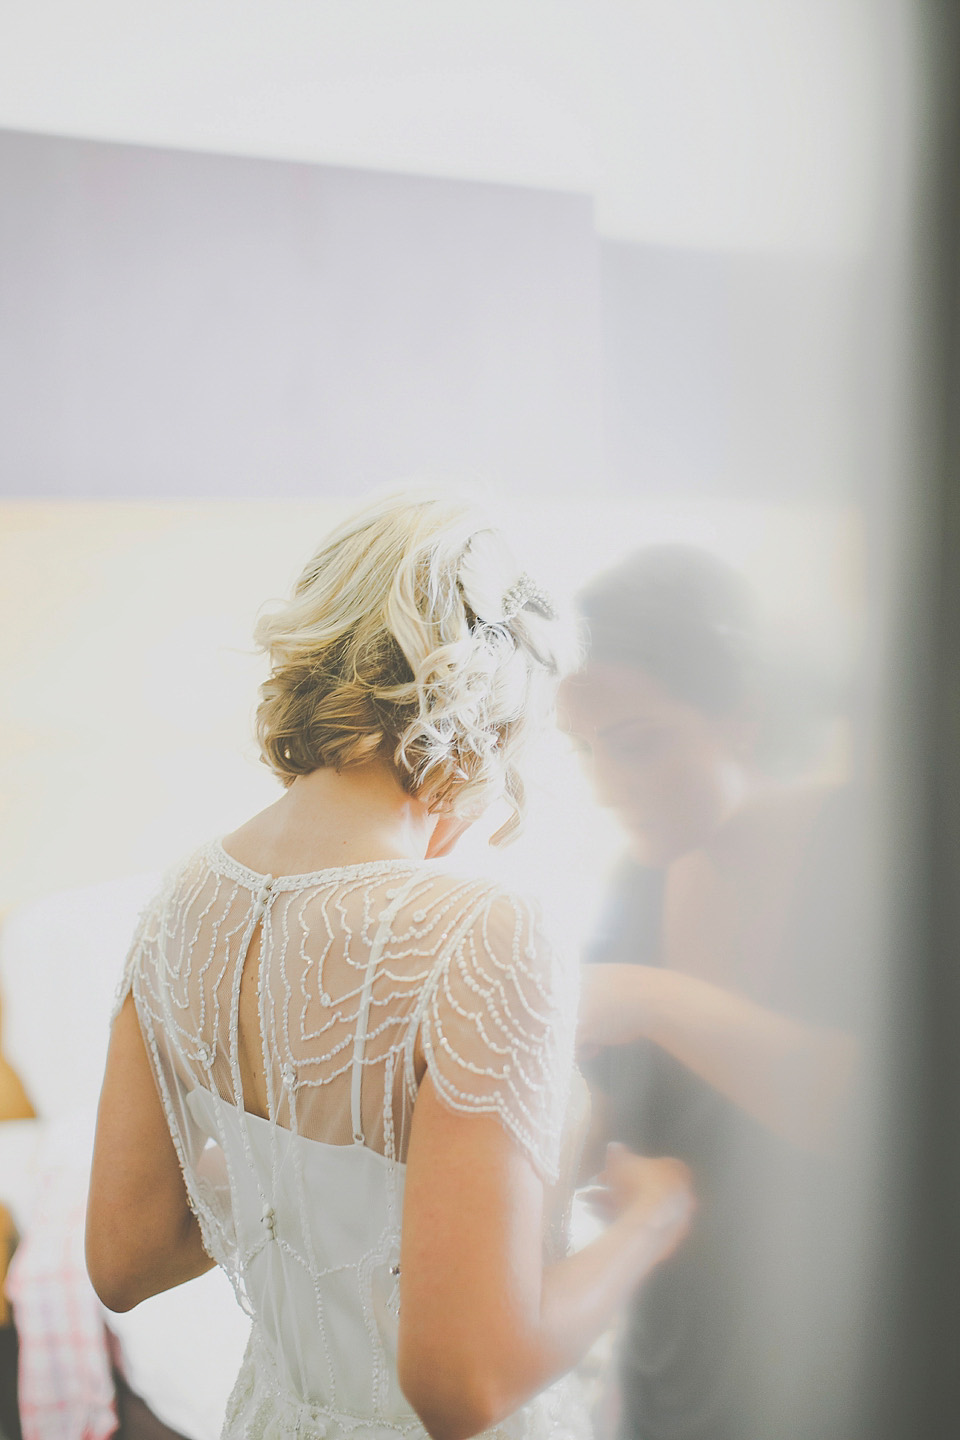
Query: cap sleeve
(497,1026)
(148,930)
(145,932)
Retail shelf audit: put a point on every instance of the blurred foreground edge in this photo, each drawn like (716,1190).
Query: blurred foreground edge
(910,1386)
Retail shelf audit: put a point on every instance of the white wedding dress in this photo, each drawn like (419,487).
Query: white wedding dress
(302,1208)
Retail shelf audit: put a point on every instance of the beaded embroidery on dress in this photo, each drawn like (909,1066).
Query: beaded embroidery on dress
(302,1206)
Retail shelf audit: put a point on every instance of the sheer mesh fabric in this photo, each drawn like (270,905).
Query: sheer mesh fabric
(315,988)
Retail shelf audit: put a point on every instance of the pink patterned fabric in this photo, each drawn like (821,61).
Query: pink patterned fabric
(65,1372)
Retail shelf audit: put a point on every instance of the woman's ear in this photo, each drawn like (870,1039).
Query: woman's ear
(446,833)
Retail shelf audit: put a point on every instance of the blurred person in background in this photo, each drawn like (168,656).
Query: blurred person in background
(720,995)
(347,1075)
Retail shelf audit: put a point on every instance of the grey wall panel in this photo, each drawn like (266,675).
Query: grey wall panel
(177,324)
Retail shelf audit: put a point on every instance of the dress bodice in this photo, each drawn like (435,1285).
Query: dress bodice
(303,1206)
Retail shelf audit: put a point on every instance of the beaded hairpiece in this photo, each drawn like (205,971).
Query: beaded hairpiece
(526,592)
(485,566)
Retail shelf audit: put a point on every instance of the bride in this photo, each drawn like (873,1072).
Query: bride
(344,1073)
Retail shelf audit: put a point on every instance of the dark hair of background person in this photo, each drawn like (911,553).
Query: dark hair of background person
(682,615)
(690,620)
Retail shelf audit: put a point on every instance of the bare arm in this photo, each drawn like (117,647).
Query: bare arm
(792,1077)
(142,1236)
(483,1324)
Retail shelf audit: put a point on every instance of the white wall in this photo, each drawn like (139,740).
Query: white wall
(746,124)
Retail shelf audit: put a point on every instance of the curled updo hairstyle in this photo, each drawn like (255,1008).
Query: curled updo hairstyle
(396,643)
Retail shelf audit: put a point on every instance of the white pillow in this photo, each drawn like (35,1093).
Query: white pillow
(61,959)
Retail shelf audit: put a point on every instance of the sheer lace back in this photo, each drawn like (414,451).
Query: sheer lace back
(281,1016)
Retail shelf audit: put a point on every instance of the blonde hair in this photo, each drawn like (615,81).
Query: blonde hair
(380,651)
